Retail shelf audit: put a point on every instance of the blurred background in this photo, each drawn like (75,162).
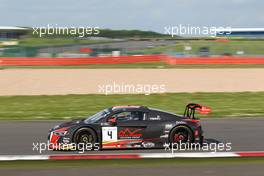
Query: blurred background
(22,42)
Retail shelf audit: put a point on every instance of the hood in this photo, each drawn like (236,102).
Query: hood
(68,124)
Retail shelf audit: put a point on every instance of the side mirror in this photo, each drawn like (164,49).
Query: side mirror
(112,121)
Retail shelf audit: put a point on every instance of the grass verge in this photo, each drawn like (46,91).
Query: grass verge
(216,47)
(158,65)
(244,104)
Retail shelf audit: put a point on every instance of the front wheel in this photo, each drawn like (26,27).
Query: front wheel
(181,134)
(85,136)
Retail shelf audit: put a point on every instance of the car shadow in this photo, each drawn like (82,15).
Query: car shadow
(209,141)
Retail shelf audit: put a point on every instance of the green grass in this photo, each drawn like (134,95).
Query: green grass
(130,163)
(135,65)
(250,47)
(42,42)
(158,65)
(244,104)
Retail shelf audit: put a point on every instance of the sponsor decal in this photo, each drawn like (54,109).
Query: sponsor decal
(180,122)
(137,146)
(168,126)
(155,118)
(130,133)
(66,140)
(148,144)
(164,136)
(122,144)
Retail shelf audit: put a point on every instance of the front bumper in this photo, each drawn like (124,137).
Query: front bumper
(58,142)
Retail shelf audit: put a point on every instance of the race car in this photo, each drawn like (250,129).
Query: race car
(122,127)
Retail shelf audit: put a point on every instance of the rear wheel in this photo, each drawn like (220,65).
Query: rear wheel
(181,134)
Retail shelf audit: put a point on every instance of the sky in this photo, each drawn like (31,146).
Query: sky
(151,15)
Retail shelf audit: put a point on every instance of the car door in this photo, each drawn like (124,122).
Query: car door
(155,128)
(131,128)
(127,130)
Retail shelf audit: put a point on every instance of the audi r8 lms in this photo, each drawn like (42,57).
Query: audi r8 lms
(121,127)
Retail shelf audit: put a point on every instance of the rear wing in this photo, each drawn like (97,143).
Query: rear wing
(192,107)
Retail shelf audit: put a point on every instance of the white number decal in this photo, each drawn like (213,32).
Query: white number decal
(109,134)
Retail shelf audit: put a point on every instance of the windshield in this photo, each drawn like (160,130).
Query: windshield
(97,116)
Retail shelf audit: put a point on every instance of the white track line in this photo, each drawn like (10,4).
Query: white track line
(23,157)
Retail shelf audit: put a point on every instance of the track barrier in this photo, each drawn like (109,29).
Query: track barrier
(229,60)
(225,60)
(79,61)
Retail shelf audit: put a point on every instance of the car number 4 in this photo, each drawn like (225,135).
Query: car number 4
(109,134)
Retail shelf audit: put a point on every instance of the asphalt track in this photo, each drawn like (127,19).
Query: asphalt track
(245,134)
(242,169)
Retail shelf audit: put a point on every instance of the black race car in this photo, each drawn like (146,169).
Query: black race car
(122,127)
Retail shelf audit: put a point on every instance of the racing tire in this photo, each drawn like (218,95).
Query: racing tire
(85,136)
(181,134)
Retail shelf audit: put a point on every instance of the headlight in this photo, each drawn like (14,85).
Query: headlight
(61,133)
